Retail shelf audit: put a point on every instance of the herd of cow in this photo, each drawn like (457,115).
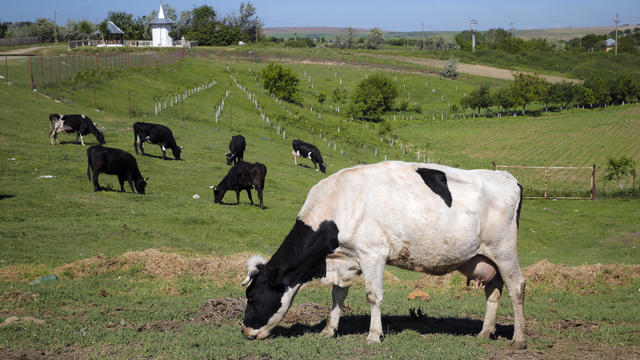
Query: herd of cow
(102,159)
(423,217)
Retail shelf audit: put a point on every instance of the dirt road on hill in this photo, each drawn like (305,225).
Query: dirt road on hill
(472,69)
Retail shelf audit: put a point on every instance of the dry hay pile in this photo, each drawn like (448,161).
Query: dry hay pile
(223,269)
(307,313)
(581,278)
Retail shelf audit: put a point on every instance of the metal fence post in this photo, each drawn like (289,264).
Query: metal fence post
(6,70)
(593,182)
(31,72)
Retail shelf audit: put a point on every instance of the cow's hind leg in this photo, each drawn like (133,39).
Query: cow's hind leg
(373,272)
(96,186)
(511,274)
(338,295)
(81,139)
(121,181)
(250,198)
(493,292)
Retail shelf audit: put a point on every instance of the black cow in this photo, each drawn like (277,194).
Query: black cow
(309,151)
(75,123)
(242,176)
(155,134)
(115,162)
(236,148)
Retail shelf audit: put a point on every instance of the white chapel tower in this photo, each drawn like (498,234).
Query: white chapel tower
(160,28)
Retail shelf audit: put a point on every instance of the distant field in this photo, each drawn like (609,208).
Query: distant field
(157,275)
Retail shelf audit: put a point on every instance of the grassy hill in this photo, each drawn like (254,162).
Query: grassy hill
(135,270)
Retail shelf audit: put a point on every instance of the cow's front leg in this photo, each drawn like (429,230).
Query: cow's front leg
(293,154)
(493,292)
(373,272)
(338,295)
(237,197)
(164,152)
(130,180)
(121,181)
(81,140)
(96,186)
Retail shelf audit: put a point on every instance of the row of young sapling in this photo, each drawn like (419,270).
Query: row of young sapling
(160,103)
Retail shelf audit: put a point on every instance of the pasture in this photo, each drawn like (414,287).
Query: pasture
(158,275)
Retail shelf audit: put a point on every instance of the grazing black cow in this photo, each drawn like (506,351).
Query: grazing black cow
(75,123)
(115,162)
(236,148)
(242,176)
(155,134)
(309,151)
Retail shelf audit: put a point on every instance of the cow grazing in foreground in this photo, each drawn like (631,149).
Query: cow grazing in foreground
(423,217)
(155,134)
(115,162)
(242,176)
(309,151)
(236,149)
(76,123)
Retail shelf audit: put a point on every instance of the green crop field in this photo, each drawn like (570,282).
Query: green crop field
(158,275)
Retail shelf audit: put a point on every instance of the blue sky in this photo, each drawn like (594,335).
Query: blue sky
(396,15)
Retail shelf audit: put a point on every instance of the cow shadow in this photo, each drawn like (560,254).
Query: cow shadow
(71,142)
(305,166)
(158,157)
(6,196)
(424,325)
(241,204)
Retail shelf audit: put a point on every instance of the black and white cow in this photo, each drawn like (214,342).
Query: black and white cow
(237,146)
(112,161)
(309,151)
(75,123)
(242,176)
(155,134)
(423,217)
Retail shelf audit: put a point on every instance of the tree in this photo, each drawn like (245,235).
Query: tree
(599,89)
(585,97)
(43,28)
(85,29)
(375,38)
(372,97)
(526,89)
(102,27)
(480,98)
(246,22)
(4,26)
(450,69)
(619,168)
(202,25)
(351,37)
(133,28)
(281,82)
(504,98)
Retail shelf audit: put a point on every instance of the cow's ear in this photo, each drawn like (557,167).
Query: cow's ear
(146,179)
(180,147)
(254,266)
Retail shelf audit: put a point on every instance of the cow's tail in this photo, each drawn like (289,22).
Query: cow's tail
(519,207)
(89,163)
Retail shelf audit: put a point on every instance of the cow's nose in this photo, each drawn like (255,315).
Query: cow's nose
(247,332)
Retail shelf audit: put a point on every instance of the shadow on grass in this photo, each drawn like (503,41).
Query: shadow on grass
(241,204)
(359,324)
(159,157)
(6,196)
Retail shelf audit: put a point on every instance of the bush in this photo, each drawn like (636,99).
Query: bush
(450,70)
(372,97)
(281,82)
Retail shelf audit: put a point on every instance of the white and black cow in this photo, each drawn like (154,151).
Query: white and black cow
(423,217)
(112,161)
(237,146)
(242,176)
(309,151)
(75,123)
(155,134)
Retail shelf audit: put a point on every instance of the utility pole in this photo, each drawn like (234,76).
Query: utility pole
(474,23)
(617,21)
(422,37)
(55,27)
(512,28)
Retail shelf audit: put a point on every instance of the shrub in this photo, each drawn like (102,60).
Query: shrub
(372,97)
(281,82)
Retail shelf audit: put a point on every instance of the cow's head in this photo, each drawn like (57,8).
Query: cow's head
(323,167)
(218,194)
(176,152)
(141,184)
(268,299)
(100,137)
(230,157)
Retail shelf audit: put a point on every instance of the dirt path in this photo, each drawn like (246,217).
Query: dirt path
(472,69)
(23,51)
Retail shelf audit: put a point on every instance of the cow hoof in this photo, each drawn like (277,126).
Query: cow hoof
(518,344)
(485,334)
(328,332)
(373,339)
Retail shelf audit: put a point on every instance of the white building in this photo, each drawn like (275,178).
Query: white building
(160,28)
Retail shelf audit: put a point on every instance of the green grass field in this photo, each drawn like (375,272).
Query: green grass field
(110,306)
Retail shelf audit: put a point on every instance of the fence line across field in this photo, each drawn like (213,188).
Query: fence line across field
(546,169)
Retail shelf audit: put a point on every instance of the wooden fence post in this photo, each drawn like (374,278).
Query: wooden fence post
(94,99)
(129,96)
(230,118)
(546,181)
(31,72)
(593,182)
(356,153)
(494,166)
(6,70)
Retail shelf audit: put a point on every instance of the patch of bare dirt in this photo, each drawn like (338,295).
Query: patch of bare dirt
(307,313)
(19,296)
(567,349)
